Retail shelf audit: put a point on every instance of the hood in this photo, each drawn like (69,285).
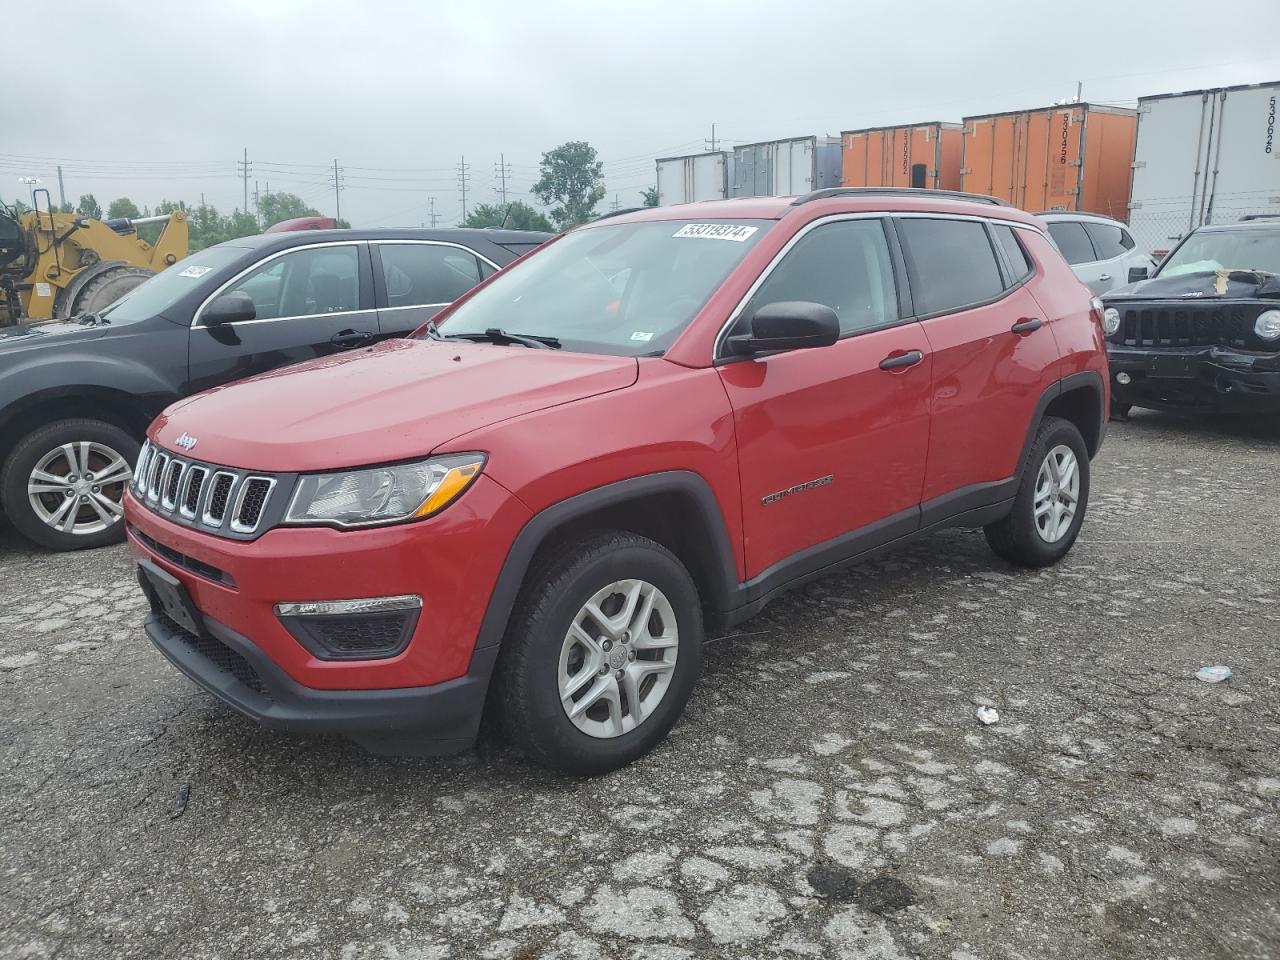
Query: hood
(53,332)
(1203,285)
(399,400)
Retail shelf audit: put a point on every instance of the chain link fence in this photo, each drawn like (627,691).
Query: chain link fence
(1160,223)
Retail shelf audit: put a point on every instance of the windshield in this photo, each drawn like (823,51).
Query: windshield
(1245,249)
(164,289)
(625,289)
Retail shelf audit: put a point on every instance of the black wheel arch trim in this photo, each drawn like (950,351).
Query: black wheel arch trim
(723,582)
(1084,380)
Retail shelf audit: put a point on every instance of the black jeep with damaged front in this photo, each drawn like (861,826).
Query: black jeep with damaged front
(1204,332)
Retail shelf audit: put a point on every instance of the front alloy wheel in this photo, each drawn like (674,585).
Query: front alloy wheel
(617,658)
(78,488)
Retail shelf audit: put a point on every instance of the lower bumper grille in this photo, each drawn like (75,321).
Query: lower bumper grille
(208,571)
(221,656)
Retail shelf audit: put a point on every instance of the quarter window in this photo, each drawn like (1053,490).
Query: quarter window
(304,282)
(844,265)
(427,273)
(1013,252)
(954,264)
(1072,241)
(1109,240)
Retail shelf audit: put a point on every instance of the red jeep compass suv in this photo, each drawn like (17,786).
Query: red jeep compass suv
(646,429)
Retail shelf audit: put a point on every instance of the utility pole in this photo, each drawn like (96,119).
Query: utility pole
(245,169)
(502,170)
(464,176)
(711,144)
(1079,90)
(256,203)
(62,191)
(615,205)
(337,188)
(435,217)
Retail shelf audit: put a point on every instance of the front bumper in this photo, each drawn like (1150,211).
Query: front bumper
(414,721)
(1211,378)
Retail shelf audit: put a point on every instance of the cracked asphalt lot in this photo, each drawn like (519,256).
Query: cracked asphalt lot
(828,794)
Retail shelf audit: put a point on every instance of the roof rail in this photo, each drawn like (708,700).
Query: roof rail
(1260,216)
(1076,213)
(896,192)
(618,213)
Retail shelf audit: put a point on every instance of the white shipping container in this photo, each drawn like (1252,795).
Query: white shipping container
(1208,156)
(781,168)
(701,176)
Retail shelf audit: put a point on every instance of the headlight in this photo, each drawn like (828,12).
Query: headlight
(1110,320)
(1267,326)
(378,495)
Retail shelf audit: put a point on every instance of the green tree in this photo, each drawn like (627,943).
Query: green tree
(123,207)
(572,177)
(650,196)
(275,207)
(516,215)
(89,206)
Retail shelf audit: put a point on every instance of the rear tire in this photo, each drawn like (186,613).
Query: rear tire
(106,288)
(627,683)
(1038,531)
(42,501)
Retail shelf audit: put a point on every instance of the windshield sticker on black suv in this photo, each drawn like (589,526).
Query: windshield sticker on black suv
(195,271)
(716,231)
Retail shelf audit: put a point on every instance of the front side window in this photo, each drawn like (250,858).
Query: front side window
(1109,240)
(303,282)
(845,266)
(426,273)
(954,264)
(624,289)
(1072,241)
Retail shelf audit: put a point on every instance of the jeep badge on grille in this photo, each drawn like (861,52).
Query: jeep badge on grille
(186,441)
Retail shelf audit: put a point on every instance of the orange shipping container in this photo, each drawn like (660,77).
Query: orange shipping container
(1071,157)
(920,155)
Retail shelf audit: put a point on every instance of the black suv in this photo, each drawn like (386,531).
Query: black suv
(1204,332)
(76,396)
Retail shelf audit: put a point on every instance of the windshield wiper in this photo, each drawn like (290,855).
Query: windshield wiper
(494,335)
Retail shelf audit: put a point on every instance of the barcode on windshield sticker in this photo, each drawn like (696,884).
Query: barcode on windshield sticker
(195,271)
(716,231)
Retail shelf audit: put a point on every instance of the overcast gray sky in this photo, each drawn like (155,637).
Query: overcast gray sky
(157,100)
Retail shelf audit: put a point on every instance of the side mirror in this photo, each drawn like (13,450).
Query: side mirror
(231,307)
(787,325)
(1138,273)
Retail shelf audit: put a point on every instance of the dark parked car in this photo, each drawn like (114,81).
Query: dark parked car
(76,396)
(1204,332)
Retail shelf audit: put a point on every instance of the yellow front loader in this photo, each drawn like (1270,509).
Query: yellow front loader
(59,265)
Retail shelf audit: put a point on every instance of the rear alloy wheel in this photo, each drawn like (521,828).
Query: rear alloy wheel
(1052,497)
(63,486)
(601,654)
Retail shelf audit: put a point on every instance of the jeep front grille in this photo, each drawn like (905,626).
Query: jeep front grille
(1186,325)
(221,500)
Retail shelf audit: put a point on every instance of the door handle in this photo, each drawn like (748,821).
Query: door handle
(901,360)
(1104,276)
(351,338)
(1027,325)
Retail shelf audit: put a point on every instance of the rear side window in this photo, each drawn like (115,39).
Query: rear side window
(844,265)
(426,273)
(954,264)
(1013,252)
(1109,240)
(1072,241)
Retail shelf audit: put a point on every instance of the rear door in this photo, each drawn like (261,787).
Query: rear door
(1114,248)
(828,441)
(1073,240)
(310,301)
(416,279)
(992,351)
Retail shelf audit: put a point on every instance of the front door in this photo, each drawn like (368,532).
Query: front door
(831,440)
(309,302)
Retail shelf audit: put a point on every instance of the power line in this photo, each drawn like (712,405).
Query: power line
(502,170)
(464,177)
(245,168)
(337,190)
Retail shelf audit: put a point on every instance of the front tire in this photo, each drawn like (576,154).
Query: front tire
(1052,498)
(601,655)
(63,485)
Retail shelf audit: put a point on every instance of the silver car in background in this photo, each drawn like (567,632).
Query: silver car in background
(1101,251)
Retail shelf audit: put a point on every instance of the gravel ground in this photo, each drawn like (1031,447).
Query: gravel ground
(829,793)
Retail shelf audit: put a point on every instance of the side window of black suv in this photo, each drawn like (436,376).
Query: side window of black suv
(313,280)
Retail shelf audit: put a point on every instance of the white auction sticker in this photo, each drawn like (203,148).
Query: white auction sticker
(643,335)
(716,231)
(195,271)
